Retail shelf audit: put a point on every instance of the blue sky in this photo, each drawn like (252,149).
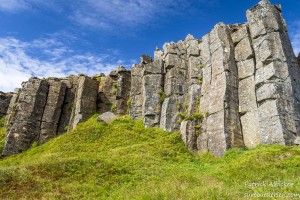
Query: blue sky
(61,37)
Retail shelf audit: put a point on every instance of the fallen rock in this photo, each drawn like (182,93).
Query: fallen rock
(106,117)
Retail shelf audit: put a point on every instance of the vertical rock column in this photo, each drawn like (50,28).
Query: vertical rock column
(219,102)
(53,110)
(277,75)
(68,105)
(152,86)
(244,57)
(85,104)
(12,109)
(4,103)
(136,92)
(175,85)
(123,90)
(107,92)
(190,129)
(26,127)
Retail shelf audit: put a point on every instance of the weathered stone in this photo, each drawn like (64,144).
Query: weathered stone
(107,117)
(68,105)
(240,33)
(188,134)
(247,96)
(152,89)
(136,96)
(123,92)
(246,68)
(172,60)
(85,103)
(4,103)
(277,75)
(12,109)
(169,114)
(251,129)
(223,129)
(243,50)
(52,111)
(26,127)
(145,59)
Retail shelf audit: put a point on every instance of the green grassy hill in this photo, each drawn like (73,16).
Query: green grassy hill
(123,160)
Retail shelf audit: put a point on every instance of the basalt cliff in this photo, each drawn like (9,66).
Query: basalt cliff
(238,85)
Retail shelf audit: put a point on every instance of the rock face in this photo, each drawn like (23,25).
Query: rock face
(26,126)
(4,103)
(239,85)
(46,108)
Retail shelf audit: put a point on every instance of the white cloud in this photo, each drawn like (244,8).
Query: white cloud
(13,5)
(295,36)
(109,14)
(17,65)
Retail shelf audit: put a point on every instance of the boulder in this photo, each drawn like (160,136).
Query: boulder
(107,117)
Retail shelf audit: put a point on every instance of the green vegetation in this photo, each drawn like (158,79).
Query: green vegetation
(70,106)
(2,121)
(123,160)
(162,96)
(2,140)
(128,103)
(99,79)
(201,65)
(113,107)
(81,74)
(200,80)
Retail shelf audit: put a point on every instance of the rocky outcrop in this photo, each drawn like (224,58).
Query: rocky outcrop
(85,103)
(52,110)
(46,108)
(4,103)
(237,86)
(114,91)
(26,126)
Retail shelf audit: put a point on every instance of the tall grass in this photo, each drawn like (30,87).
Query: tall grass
(124,160)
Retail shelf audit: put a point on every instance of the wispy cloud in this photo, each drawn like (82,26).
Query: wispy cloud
(109,14)
(295,36)
(55,60)
(13,5)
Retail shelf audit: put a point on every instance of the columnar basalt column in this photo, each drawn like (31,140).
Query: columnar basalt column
(277,75)
(221,128)
(26,127)
(53,110)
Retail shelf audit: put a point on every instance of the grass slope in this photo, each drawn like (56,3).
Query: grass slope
(123,160)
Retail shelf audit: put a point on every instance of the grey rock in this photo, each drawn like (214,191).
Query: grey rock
(26,127)
(107,117)
(4,103)
(52,111)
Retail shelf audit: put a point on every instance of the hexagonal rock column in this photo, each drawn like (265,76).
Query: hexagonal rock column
(136,92)
(188,128)
(152,86)
(277,75)
(26,127)
(4,103)
(123,90)
(244,57)
(175,84)
(12,109)
(219,102)
(85,104)
(68,104)
(53,110)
